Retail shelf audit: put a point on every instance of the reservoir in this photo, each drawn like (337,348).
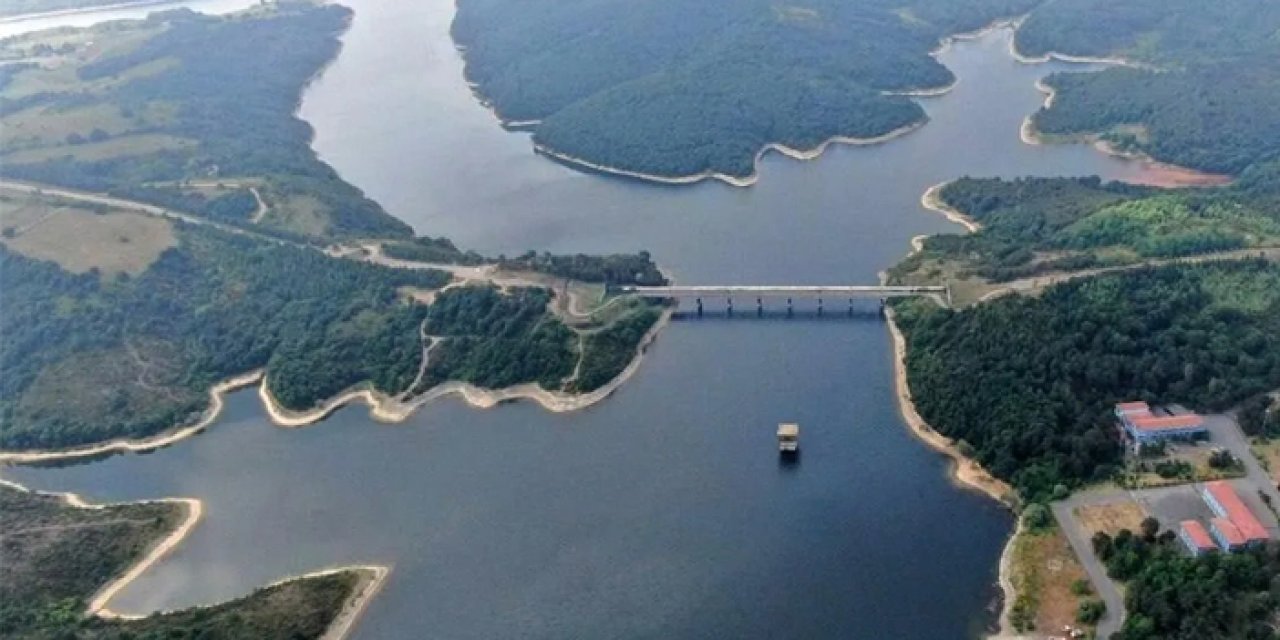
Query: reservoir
(662,512)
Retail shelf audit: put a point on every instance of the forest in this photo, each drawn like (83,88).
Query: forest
(85,358)
(674,88)
(496,340)
(612,269)
(205,75)
(1033,226)
(1029,382)
(1171,596)
(1206,99)
(56,557)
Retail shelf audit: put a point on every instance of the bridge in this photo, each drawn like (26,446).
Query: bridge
(790,292)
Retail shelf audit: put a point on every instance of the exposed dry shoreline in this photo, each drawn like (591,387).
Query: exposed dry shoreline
(795,154)
(1155,173)
(965,471)
(210,415)
(932,200)
(382,407)
(372,577)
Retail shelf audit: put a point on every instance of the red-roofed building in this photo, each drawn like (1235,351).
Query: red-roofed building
(1224,502)
(1197,539)
(1144,427)
(1227,535)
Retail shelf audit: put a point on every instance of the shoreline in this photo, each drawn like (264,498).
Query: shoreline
(964,472)
(98,603)
(387,409)
(932,200)
(126,445)
(42,15)
(372,576)
(749,180)
(1155,173)
(382,407)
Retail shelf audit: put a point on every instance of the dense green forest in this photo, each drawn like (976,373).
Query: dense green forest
(1029,382)
(1211,102)
(617,268)
(90,356)
(55,557)
(1032,226)
(183,96)
(671,87)
(85,358)
(497,340)
(1170,596)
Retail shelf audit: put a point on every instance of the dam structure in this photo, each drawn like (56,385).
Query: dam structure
(760,293)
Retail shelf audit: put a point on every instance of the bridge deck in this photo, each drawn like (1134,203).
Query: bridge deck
(785,291)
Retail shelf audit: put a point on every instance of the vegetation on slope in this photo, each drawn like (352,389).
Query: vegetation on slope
(1212,104)
(1034,226)
(21,7)
(148,109)
(676,88)
(54,557)
(122,332)
(85,358)
(1029,383)
(1170,596)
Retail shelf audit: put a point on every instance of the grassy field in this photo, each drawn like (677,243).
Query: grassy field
(79,239)
(122,105)
(119,147)
(1046,577)
(1111,517)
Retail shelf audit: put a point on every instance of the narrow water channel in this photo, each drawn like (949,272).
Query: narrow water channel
(664,511)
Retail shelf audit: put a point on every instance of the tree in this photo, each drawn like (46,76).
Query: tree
(1037,516)
(1150,527)
(1090,611)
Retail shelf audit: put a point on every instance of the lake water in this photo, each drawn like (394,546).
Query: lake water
(663,511)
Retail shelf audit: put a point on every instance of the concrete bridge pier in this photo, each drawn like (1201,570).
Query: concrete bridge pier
(731,307)
(759,307)
(790,310)
(699,307)
(850,307)
(819,307)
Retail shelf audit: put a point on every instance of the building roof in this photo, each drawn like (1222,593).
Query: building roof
(1239,514)
(1166,423)
(1228,531)
(1197,534)
(1133,407)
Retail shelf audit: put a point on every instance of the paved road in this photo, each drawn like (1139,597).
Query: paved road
(1224,432)
(1080,542)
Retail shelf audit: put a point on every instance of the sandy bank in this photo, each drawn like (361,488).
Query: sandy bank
(372,577)
(1154,173)
(216,394)
(795,154)
(384,408)
(932,200)
(965,471)
(193,509)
